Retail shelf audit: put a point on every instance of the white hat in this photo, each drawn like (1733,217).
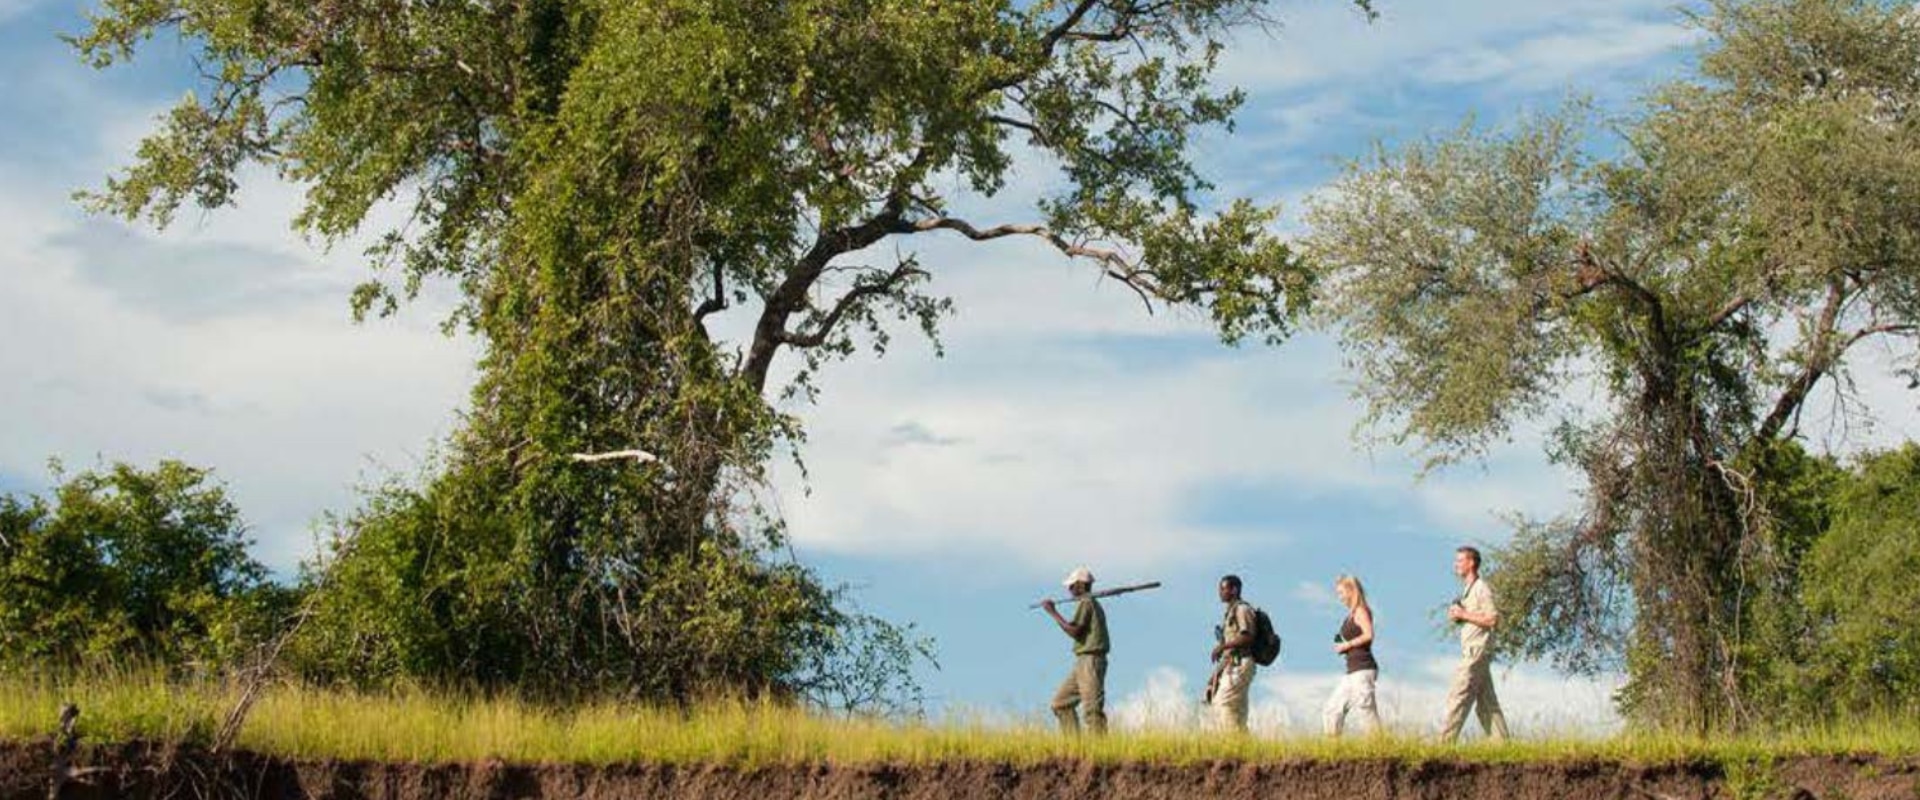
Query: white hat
(1077,575)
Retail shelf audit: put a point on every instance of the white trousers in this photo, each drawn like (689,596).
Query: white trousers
(1355,693)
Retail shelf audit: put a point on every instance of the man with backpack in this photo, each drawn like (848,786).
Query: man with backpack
(1244,644)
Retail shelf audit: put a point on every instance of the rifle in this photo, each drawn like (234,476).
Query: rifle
(1219,667)
(1106,593)
(1213,681)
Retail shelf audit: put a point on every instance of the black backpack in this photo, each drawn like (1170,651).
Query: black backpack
(1266,641)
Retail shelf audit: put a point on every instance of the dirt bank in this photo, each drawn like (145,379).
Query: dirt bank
(146,772)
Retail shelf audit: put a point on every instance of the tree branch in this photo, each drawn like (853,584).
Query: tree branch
(1020,124)
(1591,275)
(1874,330)
(639,456)
(1062,30)
(716,302)
(860,291)
(1727,311)
(770,332)
(1818,361)
(1115,263)
(1067,29)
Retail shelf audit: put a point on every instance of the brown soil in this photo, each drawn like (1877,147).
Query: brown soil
(143,771)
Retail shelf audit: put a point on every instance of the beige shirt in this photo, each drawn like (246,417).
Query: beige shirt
(1238,619)
(1478,600)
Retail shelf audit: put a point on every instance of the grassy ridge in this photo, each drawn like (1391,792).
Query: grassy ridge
(427,727)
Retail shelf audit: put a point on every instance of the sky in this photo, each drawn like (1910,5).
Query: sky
(1063,426)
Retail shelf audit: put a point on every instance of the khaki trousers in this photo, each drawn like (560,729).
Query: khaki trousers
(1230,694)
(1473,687)
(1085,686)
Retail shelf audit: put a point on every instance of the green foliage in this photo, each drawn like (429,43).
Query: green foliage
(1755,226)
(130,565)
(1754,778)
(424,586)
(1860,592)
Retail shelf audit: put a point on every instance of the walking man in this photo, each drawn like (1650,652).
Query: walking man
(1087,684)
(1472,685)
(1233,659)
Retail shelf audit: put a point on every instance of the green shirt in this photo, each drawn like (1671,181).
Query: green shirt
(1091,619)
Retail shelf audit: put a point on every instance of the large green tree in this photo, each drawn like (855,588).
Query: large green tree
(603,179)
(1703,273)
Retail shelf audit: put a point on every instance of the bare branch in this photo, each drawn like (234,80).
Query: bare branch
(1119,114)
(1818,360)
(1032,129)
(1727,311)
(640,456)
(819,334)
(718,300)
(1875,330)
(1120,33)
(1066,26)
(770,332)
(1114,263)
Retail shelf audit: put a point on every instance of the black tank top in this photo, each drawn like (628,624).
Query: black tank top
(1358,658)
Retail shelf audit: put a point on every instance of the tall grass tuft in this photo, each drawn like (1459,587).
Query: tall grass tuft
(424,726)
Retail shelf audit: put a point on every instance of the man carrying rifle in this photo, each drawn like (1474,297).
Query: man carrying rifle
(1233,658)
(1087,684)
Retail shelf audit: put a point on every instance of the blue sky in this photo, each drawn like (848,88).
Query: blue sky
(1064,426)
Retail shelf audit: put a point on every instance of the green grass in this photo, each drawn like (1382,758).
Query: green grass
(426,727)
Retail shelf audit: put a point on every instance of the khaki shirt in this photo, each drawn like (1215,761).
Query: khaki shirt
(1478,600)
(1091,619)
(1239,617)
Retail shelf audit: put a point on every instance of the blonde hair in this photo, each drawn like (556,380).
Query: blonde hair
(1359,592)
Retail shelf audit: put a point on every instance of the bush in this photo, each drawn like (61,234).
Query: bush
(130,565)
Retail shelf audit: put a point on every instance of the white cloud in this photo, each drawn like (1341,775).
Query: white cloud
(1039,458)
(1327,45)
(1048,434)
(1317,598)
(1474,500)
(1560,58)
(1030,444)
(226,346)
(1164,703)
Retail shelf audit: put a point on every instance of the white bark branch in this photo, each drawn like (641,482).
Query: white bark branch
(640,456)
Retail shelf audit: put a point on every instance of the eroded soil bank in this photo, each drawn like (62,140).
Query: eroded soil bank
(27,771)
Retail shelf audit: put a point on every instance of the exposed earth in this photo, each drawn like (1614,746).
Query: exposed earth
(27,772)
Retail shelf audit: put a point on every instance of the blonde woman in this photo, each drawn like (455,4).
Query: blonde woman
(1355,642)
